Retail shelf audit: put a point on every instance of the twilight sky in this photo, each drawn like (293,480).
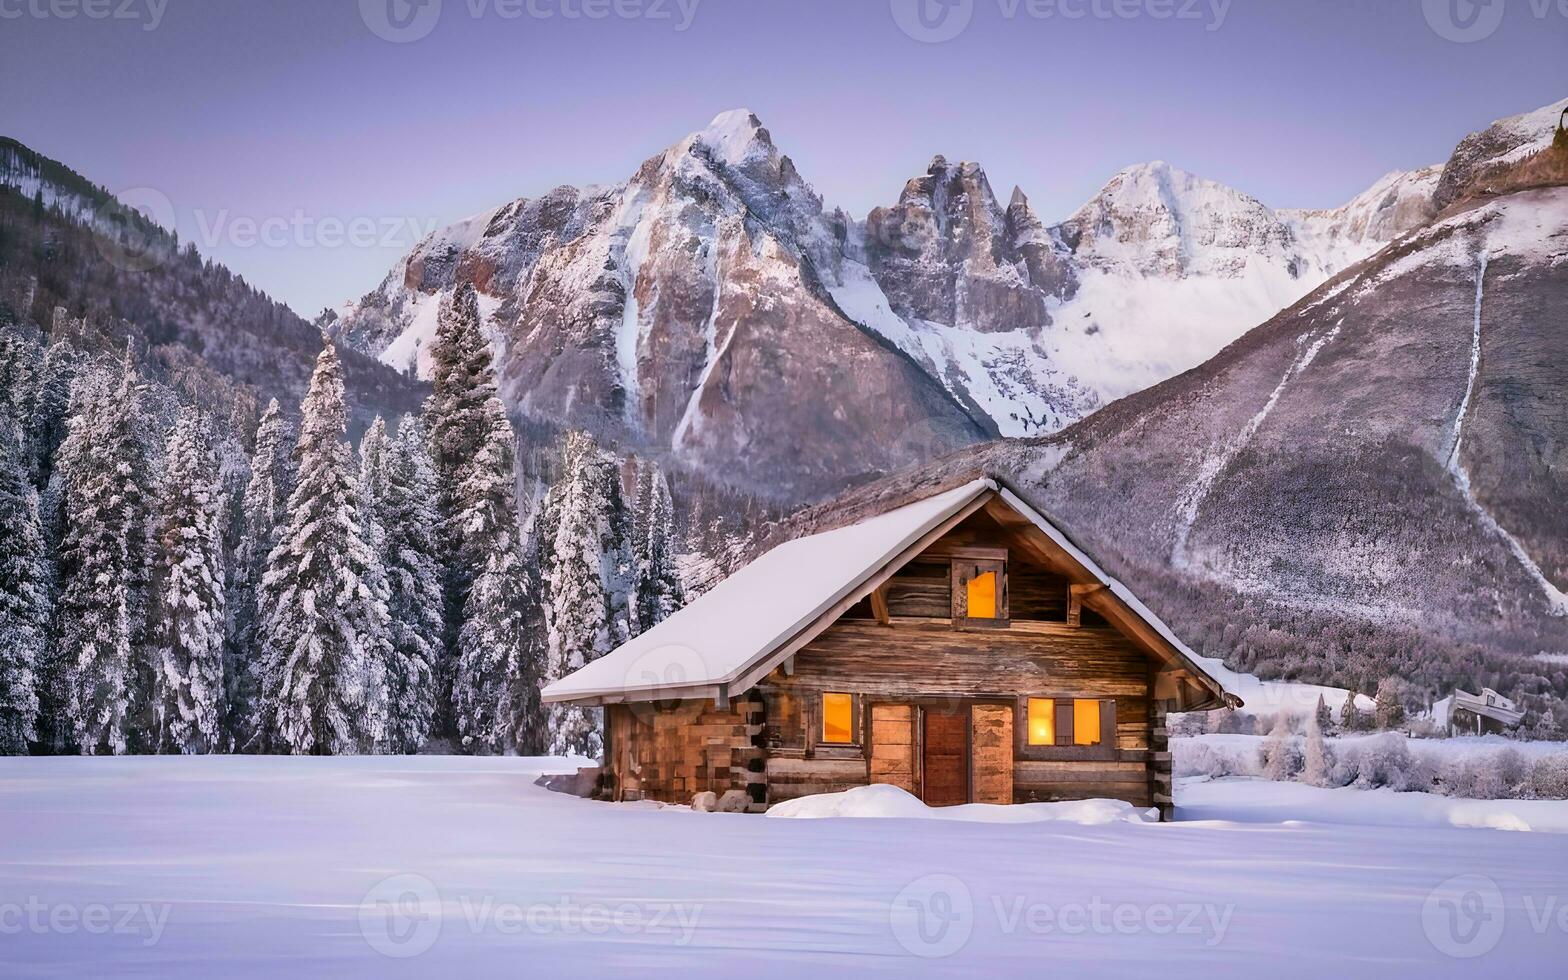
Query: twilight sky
(300,118)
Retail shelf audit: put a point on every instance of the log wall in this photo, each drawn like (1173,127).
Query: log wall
(913,663)
(671,752)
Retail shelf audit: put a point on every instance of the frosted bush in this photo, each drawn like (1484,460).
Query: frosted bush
(1386,761)
(1199,759)
(1549,777)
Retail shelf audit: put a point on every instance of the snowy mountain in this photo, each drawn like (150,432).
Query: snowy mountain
(1369,483)
(673,310)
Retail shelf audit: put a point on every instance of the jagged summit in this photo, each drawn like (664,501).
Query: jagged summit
(671,309)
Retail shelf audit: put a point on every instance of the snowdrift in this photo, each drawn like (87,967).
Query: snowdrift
(890,801)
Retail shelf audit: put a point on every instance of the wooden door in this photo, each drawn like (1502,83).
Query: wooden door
(944,755)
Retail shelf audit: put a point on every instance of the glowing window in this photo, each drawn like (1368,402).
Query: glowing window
(982,596)
(1086,722)
(838,718)
(1042,721)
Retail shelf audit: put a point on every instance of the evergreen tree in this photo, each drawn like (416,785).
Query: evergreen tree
(413,570)
(51,405)
(19,375)
(1349,714)
(104,560)
(262,510)
(188,621)
(575,529)
(463,379)
(658,590)
(1325,718)
(1279,750)
(324,622)
(375,463)
(493,666)
(1390,704)
(1317,764)
(24,602)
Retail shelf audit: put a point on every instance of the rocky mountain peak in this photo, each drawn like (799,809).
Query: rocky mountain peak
(1505,142)
(736,137)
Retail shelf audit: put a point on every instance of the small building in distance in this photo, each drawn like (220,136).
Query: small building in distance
(1481,714)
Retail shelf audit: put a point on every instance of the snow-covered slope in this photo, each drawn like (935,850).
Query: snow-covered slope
(1173,267)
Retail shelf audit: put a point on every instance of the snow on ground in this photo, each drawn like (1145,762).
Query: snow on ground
(1441,749)
(255,866)
(1241,799)
(884,801)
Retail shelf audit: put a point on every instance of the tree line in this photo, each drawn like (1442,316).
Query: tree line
(164,589)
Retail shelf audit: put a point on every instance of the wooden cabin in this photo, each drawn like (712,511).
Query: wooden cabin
(960,647)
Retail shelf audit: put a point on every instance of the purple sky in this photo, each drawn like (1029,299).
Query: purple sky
(297,113)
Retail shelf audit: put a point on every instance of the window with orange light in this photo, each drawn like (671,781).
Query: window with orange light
(1086,722)
(1042,721)
(981,598)
(838,718)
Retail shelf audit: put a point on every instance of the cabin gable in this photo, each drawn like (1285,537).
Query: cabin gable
(1055,701)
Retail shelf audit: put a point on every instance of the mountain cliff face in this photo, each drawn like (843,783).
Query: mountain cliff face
(687,310)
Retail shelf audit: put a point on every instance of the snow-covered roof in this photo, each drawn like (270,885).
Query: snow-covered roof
(731,636)
(720,635)
(1488,704)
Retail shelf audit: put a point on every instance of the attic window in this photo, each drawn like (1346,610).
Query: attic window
(982,596)
(980,590)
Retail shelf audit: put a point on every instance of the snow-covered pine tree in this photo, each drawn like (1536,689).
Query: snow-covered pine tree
(463,379)
(188,594)
(411,558)
(494,668)
(324,623)
(1325,718)
(51,406)
(575,530)
(20,368)
(1349,714)
(1279,750)
(1390,707)
(262,509)
(658,590)
(24,601)
(375,462)
(1317,764)
(104,559)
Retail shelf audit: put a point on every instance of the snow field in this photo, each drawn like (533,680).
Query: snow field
(442,866)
